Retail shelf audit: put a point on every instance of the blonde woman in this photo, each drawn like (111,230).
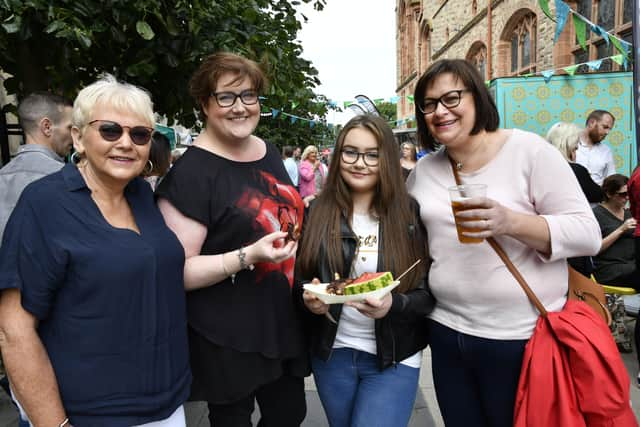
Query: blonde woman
(311,173)
(565,137)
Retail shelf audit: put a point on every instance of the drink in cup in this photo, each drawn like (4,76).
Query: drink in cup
(458,194)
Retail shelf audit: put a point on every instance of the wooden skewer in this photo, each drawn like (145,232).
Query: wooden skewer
(408,270)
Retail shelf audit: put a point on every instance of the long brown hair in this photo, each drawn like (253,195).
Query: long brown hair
(402,241)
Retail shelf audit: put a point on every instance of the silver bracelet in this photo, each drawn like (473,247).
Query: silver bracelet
(242,258)
(64,423)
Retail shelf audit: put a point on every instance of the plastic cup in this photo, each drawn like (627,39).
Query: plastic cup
(459,193)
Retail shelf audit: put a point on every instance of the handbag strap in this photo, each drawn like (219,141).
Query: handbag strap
(505,258)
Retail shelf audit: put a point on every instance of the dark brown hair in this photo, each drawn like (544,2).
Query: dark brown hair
(391,205)
(597,116)
(204,80)
(487,117)
(612,184)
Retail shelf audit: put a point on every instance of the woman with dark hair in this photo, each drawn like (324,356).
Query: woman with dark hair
(534,208)
(231,203)
(366,366)
(615,264)
(408,158)
(159,159)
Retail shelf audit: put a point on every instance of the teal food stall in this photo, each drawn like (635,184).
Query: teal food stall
(532,104)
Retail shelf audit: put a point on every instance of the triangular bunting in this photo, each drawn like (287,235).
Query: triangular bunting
(312,123)
(571,69)
(275,112)
(594,65)
(544,5)
(293,119)
(562,10)
(601,32)
(581,31)
(410,98)
(618,59)
(547,74)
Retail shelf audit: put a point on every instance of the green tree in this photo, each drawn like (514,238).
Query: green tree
(388,111)
(62,45)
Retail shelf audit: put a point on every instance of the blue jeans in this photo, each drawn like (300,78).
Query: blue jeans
(354,393)
(475,378)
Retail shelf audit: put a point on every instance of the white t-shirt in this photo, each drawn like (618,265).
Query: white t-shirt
(292,169)
(475,293)
(356,330)
(598,160)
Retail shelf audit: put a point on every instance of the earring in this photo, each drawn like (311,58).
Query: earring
(75,157)
(148,165)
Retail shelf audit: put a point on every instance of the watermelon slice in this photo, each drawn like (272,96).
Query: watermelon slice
(368,282)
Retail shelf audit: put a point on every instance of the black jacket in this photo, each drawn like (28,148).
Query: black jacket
(401,333)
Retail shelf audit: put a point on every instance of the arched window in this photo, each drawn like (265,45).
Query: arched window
(614,16)
(474,7)
(477,55)
(523,58)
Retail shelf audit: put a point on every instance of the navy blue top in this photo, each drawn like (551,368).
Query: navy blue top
(110,302)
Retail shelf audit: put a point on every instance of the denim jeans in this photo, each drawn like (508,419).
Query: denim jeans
(475,378)
(355,393)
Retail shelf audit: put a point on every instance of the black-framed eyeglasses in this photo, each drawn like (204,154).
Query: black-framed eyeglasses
(623,194)
(351,156)
(450,99)
(112,131)
(227,99)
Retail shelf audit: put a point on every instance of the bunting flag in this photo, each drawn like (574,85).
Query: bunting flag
(601,32)
(274,112)
(562,11)
(581,31)
(547,74)
(594,65)
(571,69)
(580,24)
(544,5)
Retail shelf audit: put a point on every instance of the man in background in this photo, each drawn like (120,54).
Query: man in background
(46,121)
(290,164)
(592,153)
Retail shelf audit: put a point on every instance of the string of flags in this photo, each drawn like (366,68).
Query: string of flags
(562,12)
(580,24)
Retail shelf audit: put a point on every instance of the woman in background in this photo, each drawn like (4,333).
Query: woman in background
(312,175)
(565,137)
(408,158)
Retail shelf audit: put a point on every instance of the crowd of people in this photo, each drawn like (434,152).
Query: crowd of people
(132,283)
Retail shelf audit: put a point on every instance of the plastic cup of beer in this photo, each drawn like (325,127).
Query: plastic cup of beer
(458,194)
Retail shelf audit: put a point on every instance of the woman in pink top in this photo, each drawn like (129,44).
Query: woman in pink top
(534,208)
(311,173)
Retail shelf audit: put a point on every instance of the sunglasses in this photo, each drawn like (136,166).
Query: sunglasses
(112,131)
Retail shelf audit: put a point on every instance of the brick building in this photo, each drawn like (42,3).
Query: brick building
(503,38)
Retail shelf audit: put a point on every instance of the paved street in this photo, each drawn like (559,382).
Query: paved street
(425,411)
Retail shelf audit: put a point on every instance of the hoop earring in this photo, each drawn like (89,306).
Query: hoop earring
(75,158)
(150,165)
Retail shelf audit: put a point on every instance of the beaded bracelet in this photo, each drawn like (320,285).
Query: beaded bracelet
(243,263)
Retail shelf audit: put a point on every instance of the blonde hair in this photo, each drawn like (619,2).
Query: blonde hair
(118,95)
(565,137)
(308,150)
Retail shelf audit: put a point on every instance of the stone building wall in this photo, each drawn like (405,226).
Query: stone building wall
(450,28)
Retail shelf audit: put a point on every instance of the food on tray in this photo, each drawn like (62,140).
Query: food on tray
(366,282)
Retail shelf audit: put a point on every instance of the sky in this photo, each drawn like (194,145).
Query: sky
(352,44)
